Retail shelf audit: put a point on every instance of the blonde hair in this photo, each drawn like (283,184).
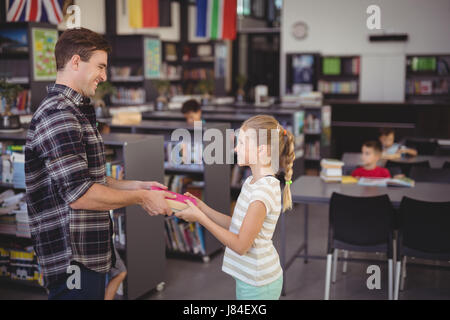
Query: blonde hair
(286,148)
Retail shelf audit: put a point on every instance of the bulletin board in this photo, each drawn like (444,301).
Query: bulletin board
(152,57)
(44,63)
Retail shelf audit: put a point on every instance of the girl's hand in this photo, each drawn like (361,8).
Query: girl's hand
(200,204)
(191,214)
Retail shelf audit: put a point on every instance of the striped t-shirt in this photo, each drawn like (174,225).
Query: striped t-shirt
(261,264)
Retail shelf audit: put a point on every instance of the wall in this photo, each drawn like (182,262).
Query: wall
(339,27)
(92,15)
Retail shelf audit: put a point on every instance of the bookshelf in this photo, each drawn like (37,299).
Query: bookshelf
(213,180)
(427,78)
(21,63)
(204,62)
(172,67)
(317,132)
(134,62)
(302,71)
(142,248)
(339,77)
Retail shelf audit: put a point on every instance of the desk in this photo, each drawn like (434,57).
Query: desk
(353,160)
(308,190)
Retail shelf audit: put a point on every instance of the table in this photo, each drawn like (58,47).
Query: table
(353,160)
(308,190)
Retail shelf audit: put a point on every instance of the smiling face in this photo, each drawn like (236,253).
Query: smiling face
(91,73)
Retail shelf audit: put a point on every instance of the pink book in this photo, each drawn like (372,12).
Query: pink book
(179,203)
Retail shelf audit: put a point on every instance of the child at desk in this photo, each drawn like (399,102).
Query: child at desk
(392,150)
(250,257)
(371,154)
(192,111)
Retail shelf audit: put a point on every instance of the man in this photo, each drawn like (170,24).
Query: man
(68,193)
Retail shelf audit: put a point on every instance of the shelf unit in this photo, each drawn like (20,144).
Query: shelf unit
(143,253)
(302,72)
(339,77)
(216,177)
(427,78)
(317,131)
(17,65)
(204,61)
(127,71)
(172,67)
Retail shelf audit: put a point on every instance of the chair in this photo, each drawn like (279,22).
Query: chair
(446,165)
(405,167)
(420,174)
(362,224)
(423,233)
(423,147)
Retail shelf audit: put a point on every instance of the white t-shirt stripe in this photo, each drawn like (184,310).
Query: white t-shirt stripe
(261,264)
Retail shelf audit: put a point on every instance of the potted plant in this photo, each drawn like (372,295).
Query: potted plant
(9,93)
(162,86)
(241,81)
(206,88)
(104,89)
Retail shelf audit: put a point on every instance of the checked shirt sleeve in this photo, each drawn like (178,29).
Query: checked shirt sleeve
(59,139)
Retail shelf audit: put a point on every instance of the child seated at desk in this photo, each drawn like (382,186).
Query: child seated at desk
(392,150)
(371,154)
(192,111)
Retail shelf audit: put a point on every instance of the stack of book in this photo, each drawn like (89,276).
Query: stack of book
(331,170)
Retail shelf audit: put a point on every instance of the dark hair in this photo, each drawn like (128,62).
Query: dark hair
(82,42)
(191,106)
(386,131)
(376,145)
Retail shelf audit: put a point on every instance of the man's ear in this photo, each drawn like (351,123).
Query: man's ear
(75,62)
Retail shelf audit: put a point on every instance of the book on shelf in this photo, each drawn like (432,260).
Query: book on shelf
(184,237)
(171,52)
(115,170)
(387,182)
(331,66)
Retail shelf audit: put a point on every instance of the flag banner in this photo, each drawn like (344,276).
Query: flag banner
(216,19)
(50,11)
(202,7)
(149,13)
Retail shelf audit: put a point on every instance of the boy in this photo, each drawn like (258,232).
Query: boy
(392,150)
(192,111)
(371,154)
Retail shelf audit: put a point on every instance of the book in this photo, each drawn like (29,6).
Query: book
(179,203)
(386,182)
(330,179)
(331,163)
(349,180)
(332,172)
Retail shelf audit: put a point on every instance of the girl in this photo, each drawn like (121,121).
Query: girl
(250,256)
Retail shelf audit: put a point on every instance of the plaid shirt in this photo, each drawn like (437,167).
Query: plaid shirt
(64,157)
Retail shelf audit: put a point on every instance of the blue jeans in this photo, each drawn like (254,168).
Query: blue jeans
(92,287)
(271,291)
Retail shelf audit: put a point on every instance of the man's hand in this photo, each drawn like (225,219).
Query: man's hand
(147,185)
(154,202)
